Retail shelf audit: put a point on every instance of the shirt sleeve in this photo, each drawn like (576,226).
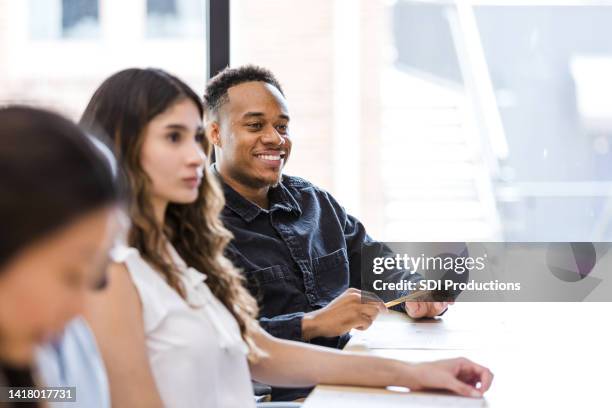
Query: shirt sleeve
(287,326)
(357,239)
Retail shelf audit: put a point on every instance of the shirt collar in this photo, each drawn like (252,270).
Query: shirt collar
(279,196)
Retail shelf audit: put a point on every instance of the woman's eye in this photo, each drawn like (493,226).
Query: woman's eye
(73,278)
(174,137)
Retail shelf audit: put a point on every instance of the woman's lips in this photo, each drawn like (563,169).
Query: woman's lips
(192,182)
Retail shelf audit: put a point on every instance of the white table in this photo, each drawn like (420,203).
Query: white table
(542,354)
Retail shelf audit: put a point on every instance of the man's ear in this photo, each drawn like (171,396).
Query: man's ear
(214,132)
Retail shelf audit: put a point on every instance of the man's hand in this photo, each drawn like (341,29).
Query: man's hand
(459,375)
(417,310)
(340,316)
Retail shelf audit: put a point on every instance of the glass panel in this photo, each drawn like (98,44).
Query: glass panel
(80,18)
(53,19)
(175,18)
(49,55)
(549,70)
(446,120)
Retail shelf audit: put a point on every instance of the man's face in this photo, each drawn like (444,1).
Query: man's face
(252,134)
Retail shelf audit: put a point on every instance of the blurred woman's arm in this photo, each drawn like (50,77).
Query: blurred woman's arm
(115,316)
(293,364)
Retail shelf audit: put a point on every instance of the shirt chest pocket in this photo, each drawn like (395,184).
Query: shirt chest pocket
(274,287)
(332,274)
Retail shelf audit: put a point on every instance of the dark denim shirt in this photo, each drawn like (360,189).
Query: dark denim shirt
(297,256)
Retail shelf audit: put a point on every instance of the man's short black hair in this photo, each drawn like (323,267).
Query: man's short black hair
(216,89)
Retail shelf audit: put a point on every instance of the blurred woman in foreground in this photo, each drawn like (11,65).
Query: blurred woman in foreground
(56,210)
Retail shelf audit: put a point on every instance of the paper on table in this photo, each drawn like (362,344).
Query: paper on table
(425,336)
(338,398)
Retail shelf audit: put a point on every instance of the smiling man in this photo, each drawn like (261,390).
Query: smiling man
(298,248)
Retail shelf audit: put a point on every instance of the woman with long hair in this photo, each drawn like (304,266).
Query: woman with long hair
(176,327)
(58,199)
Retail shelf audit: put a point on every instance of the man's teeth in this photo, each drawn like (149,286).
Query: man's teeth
(268,157)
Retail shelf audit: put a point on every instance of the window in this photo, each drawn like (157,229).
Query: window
(52,19)
(446,120)
(61,59)
(175,18)
(547,67)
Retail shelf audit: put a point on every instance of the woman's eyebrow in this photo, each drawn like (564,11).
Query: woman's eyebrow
(176,126)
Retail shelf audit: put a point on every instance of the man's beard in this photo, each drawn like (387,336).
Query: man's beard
(253,182)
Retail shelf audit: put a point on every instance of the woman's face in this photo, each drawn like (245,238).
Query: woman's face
(172,154)
(44,285)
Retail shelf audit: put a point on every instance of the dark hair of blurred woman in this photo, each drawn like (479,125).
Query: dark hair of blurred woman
(57,206)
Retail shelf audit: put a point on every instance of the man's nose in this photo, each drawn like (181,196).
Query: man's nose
(272,136)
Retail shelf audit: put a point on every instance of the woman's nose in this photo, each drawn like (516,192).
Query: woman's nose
(196,156)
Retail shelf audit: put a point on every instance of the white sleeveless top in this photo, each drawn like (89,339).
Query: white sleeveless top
(196,353)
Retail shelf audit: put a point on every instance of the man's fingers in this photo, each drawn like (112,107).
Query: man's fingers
(439,308)
(367,322)
(379,304)
(370,310)
(353,295)
(364,315)
(415,310)
(425,309)
(363,321)
(381,307)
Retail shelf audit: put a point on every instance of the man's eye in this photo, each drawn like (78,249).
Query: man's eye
(174,137)
(255,126)
(282,128)
(199,137)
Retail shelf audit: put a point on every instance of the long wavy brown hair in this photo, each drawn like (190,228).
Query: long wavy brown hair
(120,110)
